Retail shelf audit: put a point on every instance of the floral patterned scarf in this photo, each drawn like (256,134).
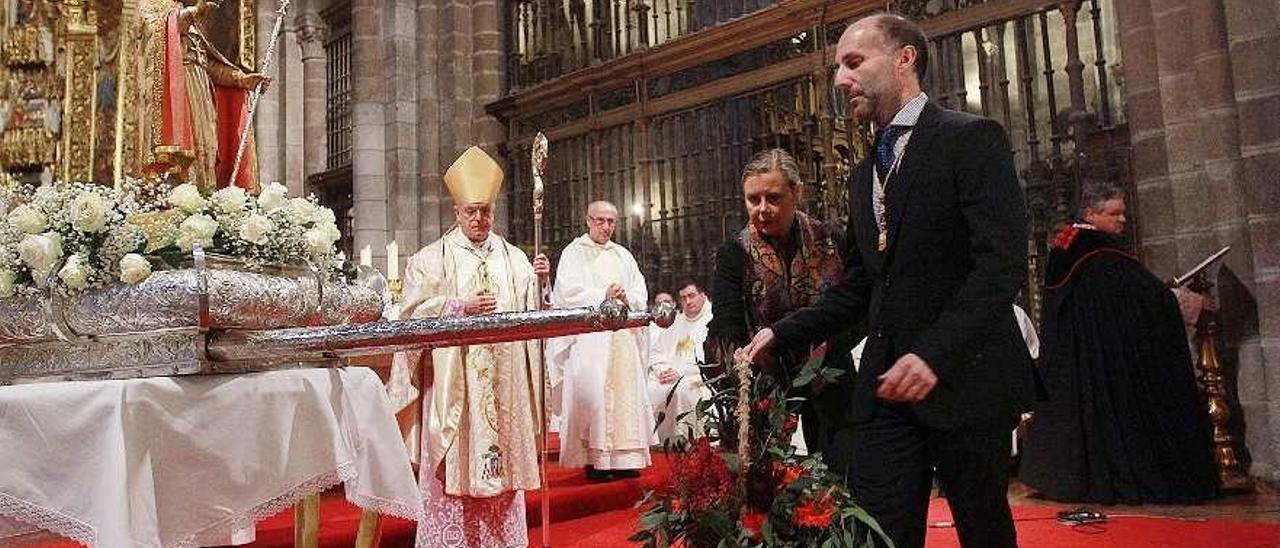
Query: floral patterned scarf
(774,289)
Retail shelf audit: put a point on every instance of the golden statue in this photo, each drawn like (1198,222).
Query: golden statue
(191,100)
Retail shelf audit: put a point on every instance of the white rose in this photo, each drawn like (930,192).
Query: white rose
(196,229)
(40,252)
(89,213)
(324,215)
(134,269)
(7,288)
(273,196)
(331,230)
(74,273)
(257,229)
(28,219)
(300,211)
(230,200)
(318,242)
(187,198)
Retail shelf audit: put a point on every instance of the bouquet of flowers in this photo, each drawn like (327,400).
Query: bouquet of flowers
(754,490)
(70,237)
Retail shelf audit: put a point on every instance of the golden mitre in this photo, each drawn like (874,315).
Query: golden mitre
(474,178)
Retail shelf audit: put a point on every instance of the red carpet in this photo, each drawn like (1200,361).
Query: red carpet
(580,511)
(1037,527)
(586,514)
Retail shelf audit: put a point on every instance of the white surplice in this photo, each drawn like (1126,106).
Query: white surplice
(679,347)
(480,429)
(606,419)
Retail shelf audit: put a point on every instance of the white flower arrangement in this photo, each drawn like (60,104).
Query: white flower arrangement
(81,236)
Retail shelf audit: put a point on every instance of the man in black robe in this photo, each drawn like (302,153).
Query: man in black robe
(1125,421)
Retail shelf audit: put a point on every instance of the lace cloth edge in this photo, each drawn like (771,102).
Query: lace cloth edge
(47,519)
(387,507)
(66,526)
(343,473)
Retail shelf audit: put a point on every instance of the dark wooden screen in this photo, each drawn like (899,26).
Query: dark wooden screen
(663,131)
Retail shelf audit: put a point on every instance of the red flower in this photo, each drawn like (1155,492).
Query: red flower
(790,425)
(676,504)
(791,474)
(1065,236)
(815,513)
(763,404)
(753,522)
(701,477)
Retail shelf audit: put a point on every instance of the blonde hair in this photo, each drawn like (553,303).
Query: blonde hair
(774,159)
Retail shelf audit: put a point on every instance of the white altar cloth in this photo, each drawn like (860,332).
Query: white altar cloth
(168,461)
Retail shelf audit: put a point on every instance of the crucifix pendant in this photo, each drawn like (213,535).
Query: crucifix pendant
(883,244)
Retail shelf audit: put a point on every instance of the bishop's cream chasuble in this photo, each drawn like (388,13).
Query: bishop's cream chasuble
(479,446)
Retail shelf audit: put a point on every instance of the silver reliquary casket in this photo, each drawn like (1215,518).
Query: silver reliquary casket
(161,326)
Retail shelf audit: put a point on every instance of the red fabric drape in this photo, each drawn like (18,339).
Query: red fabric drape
(233,117)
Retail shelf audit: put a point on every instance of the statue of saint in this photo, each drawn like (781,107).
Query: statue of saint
(192,102)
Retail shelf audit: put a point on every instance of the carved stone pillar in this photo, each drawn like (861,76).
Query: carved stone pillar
(312,32)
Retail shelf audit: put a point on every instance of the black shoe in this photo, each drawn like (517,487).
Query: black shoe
(598,475)
(625,474)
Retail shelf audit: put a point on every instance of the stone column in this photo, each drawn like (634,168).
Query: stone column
(312,32)
(368,98)
(288,72)
(400,80)
(487,22)
(1253,44)
(1202,99)
(432,197)
(269,119)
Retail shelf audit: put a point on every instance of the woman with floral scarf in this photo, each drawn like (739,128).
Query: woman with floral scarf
(779,262)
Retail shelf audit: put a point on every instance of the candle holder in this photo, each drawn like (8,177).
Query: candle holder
(394,287)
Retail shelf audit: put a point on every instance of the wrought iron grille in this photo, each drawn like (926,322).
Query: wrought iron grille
(548,38)
(338,123)
(1045,71)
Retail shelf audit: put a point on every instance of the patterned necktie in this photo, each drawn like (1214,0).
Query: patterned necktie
(884,148)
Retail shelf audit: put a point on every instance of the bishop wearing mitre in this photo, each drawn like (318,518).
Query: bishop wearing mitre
(480,428)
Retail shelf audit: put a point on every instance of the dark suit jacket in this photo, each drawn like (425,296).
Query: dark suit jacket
(945,287)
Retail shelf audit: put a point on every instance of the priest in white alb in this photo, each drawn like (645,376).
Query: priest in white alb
(675,380)
(480,429)
(606,420)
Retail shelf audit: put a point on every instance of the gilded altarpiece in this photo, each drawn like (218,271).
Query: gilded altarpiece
(63,102)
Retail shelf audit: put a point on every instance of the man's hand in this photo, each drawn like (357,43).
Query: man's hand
(668,376)
(479,305)
(1190,304)
(615,291)
(760,350)
(541,266)
(909,380)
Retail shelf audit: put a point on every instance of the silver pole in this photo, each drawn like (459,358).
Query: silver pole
(538,158)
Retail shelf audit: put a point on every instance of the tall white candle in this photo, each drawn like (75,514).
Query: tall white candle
(393,261)
(366,256)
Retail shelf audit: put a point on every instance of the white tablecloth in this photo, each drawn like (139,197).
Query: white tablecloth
(197,460)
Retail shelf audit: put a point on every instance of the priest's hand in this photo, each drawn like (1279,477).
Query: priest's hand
(668,376)
(541,266)
(615,291)
(479,305)
(909,380)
